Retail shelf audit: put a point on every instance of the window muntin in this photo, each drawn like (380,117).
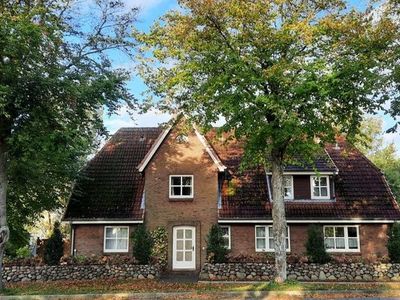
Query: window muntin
(116,238)
(320,187)
(288,187)
(265,238)
(181,186)
(226,234)
(342,238)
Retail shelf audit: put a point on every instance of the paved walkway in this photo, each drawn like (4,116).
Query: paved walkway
(180,277)
(250,295)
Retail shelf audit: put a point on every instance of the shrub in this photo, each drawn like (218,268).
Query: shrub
(23,252)
(159,251)
(142,245)
(54,247)
(315,245)
(216,250)
(393,244)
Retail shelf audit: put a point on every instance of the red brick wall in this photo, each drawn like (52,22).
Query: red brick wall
(373,239)
(89,239)
(188,158)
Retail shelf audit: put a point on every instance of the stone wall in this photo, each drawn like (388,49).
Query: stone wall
(303,272)
(82,272)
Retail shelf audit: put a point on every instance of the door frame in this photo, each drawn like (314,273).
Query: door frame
(174,261)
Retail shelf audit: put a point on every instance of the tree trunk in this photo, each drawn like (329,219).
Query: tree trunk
(279,219)
(4,231)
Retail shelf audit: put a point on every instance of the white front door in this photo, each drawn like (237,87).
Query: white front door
(184,256)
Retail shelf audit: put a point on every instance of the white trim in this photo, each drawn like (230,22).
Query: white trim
(160,140)
(181,186)
(291,187)
(229,236)
(267,237)
(209,150)
(346,241)
(328,187)
(348,221)
(306,173)
(105,222)
(153,150)
(330,158)
(115,250)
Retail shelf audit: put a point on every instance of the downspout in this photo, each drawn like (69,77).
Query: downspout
(268,186)
(72,240)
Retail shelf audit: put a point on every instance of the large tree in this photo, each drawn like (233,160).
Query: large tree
(55,79)
(287,76)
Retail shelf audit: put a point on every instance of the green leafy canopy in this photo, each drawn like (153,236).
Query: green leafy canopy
(286,75)
(55,80)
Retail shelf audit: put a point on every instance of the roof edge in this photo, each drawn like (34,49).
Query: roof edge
(309,221)
(153,149)
(102,221)
(143,164)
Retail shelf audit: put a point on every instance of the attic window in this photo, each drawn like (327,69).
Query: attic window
(142,138)
(182,138)
(320,187)
(181,186)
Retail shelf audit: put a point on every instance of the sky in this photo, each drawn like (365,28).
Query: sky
(150,11)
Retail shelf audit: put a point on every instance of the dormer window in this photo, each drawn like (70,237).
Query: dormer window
(181,186)
(288,187)
(320,187)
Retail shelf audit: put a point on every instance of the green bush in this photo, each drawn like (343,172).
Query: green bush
(315,247)
(54,247)
(159,251)
(142,245)
(216,250)
(393,244)
(23,252)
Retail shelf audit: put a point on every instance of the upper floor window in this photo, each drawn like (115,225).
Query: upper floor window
(341,238)
(288,187)
(116,238)
(181,186)
(320,187)
(265,239)
(226,234)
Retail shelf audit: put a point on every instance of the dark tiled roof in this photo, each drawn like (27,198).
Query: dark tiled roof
(361,192)
(110,187)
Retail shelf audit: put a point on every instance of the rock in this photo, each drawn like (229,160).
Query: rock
(314,277)
(292,276)
(322,275)
(367,277)
(240,275)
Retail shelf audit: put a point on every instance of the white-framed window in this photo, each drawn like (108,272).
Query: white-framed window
(265,238)
(288,187)
(181,186)
(342,238)
(320,187)
(226,234)
(116,239)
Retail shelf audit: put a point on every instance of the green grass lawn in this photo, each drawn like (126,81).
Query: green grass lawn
(143,286)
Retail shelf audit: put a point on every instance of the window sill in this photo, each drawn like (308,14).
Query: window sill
(269,251)
(184,199)
(115,251)
(310,200)
(343,251)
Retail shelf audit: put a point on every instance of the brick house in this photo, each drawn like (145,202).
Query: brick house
(186,182)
